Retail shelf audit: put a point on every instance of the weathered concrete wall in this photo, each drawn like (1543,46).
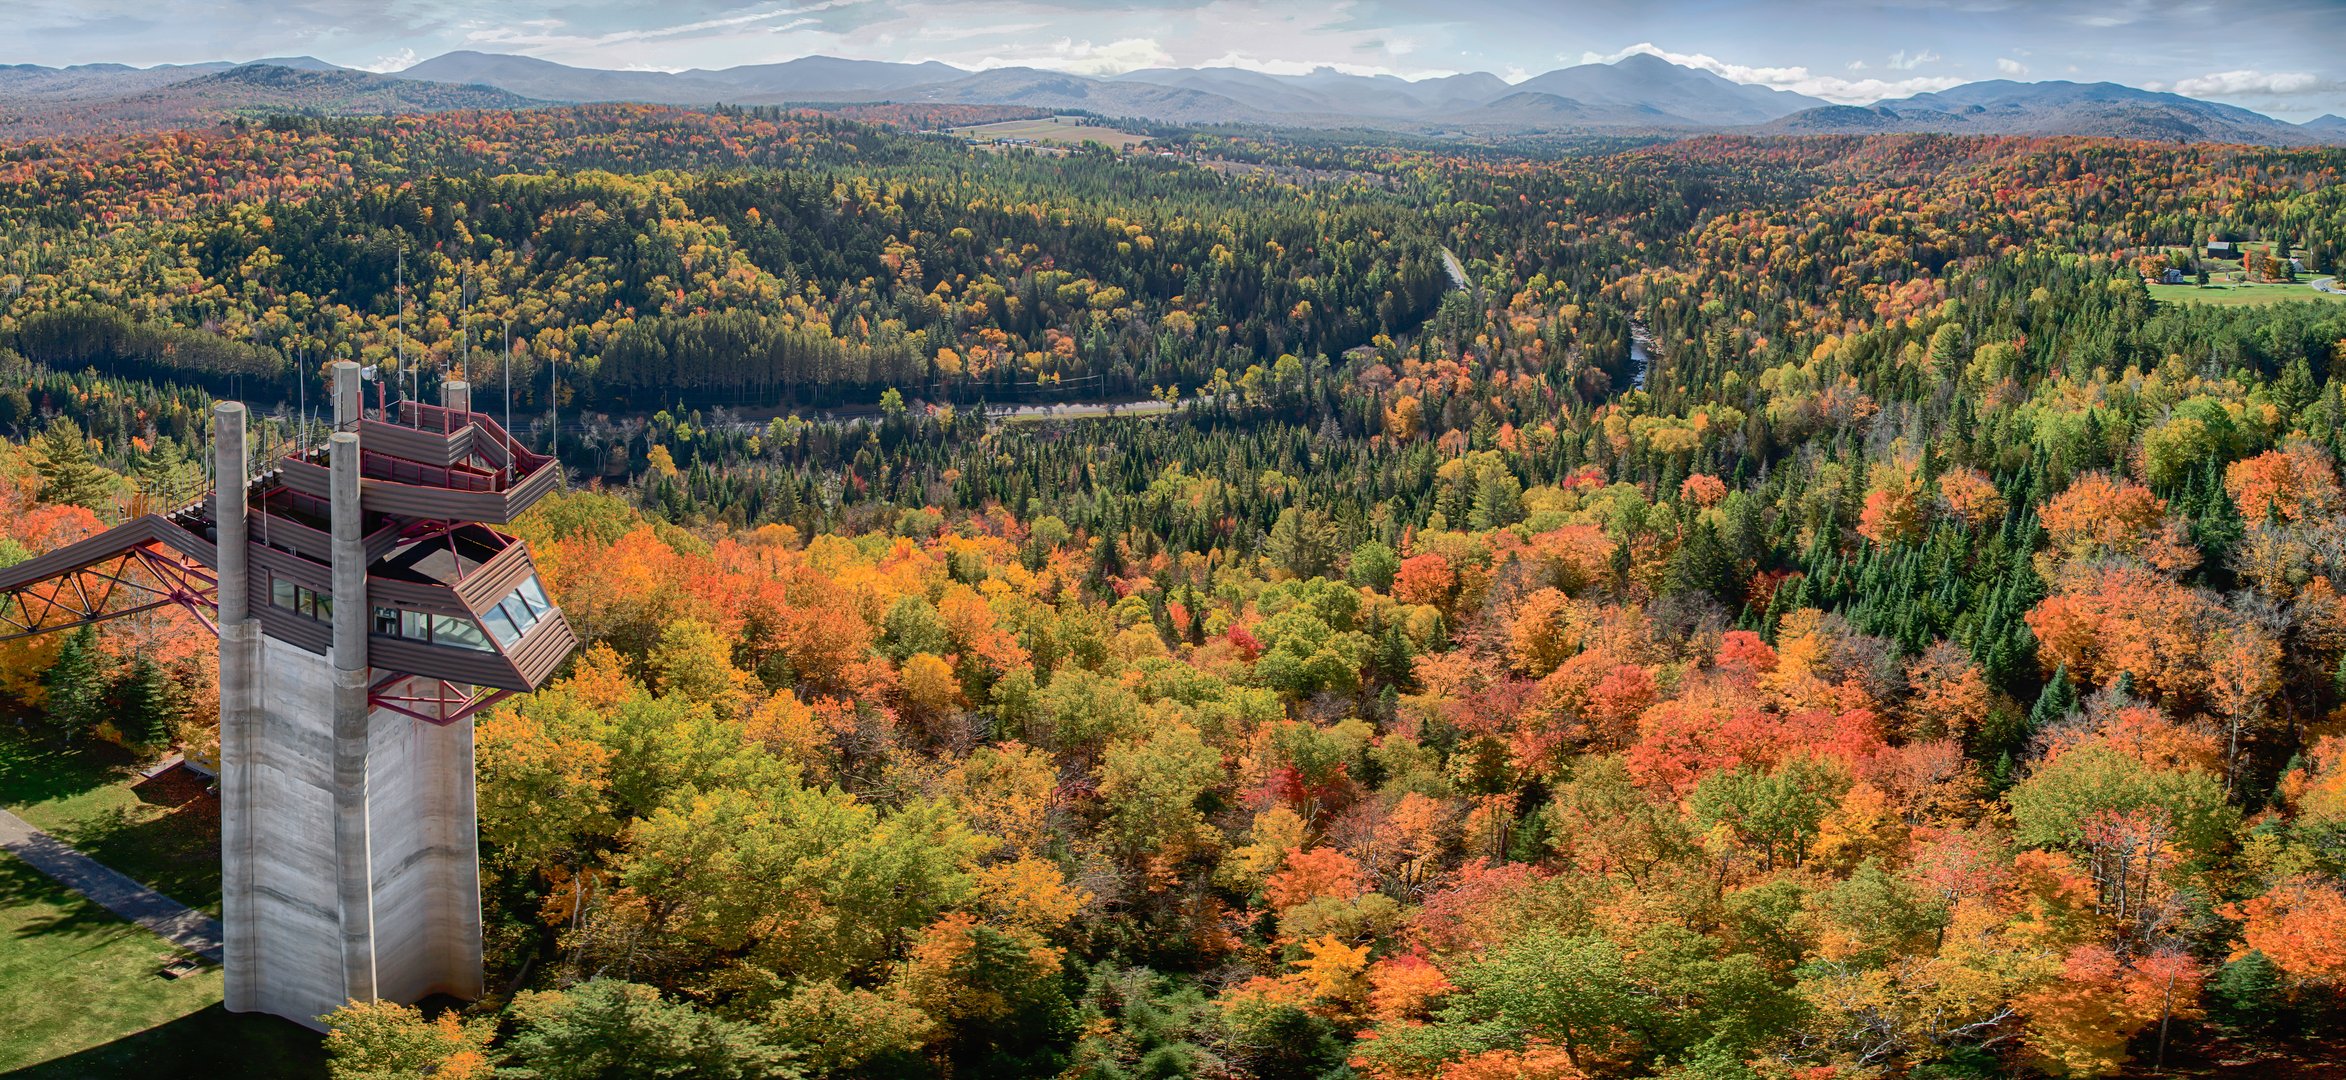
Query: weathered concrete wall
(427,887)
(293,927)
(424,877)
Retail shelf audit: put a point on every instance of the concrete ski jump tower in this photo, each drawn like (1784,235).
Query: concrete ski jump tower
(366,610)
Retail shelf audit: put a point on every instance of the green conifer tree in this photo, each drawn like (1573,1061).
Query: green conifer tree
(149,704)
(77,683)
(2058,700)
(68,476)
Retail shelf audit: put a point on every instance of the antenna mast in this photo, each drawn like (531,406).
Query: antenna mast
(399,292)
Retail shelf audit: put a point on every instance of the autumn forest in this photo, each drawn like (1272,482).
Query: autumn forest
(1789,608)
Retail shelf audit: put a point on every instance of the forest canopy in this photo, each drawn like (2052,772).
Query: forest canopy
(1799,607)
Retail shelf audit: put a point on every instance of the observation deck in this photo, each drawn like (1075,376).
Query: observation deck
(452,600)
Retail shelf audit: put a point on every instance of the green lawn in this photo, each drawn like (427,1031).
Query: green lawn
(84,997)
(164,832)
(2241,295)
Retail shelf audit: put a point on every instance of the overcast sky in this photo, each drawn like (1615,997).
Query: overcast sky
(2284,57)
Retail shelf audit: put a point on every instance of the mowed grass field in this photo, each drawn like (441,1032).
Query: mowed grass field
(164,832)
(85,997)
(1061,131)
(83,991)
(2236,295)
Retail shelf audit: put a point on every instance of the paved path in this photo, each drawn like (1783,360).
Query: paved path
(173,921)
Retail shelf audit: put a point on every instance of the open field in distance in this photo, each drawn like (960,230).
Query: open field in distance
(1054,131)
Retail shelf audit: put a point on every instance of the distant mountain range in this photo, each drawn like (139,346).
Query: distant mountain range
(109,98)
(2063,108)
(1639,94)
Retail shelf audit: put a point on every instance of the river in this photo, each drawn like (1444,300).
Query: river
(1640,353)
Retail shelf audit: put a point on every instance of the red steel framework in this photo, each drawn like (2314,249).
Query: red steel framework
(151,573)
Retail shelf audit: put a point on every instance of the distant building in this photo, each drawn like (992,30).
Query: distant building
(2171,276)
(2221,249)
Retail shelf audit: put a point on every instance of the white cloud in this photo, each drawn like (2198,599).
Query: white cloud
(1903,61)
(1799,80)
(546,34)
(2248,82)
(1857,65)
(398,61)
(1090,58)
(1271,36)
(2008,66)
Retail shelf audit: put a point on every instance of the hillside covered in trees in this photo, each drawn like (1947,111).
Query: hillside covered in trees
(1801,610)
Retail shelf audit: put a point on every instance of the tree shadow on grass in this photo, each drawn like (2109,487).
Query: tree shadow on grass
(212,1042)
(36,766)
(169,838)
(176,853)
(76,919)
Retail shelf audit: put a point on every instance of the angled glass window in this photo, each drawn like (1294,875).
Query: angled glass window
(519,611)
(461,633)
(533,592)
(501,626)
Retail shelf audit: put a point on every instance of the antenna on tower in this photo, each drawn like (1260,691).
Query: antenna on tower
(399,293)
(510,441)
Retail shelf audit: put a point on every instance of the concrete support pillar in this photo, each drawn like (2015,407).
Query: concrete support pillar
(228,460)
(456,395)
(347,399)
(354,884)
(240,650)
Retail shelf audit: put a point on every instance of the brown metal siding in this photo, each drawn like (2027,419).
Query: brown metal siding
(315,576)
(442,662)
(292,627)
(543,649)
(303,540)
(533,487)
(273,531)
(437,599)
(489,584)
(311,480)
(430,447)
(428,502)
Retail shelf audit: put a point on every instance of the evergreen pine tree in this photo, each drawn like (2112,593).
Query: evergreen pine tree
(1702,562)
(68,476)
(76,683)
(2246,993)
(2215,523)
(2058,700)
(148,704)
